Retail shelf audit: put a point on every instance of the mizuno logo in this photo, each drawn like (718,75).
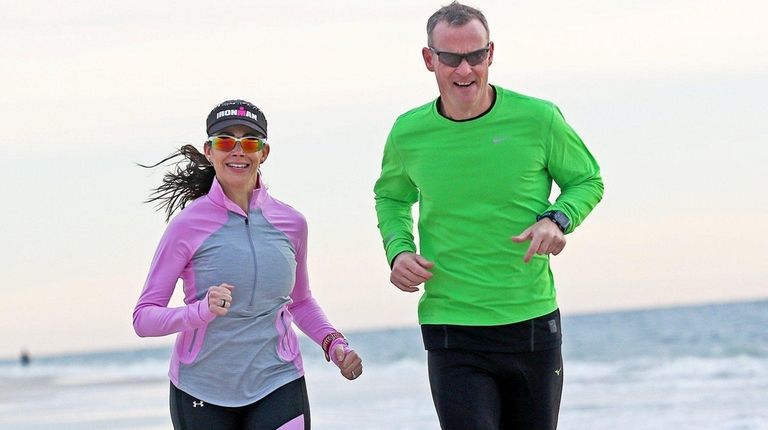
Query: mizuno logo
(199,404)
(557,372)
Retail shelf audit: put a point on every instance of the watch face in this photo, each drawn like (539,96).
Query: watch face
(557,217)
(561,219)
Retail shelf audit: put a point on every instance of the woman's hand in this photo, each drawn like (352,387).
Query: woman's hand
(350,364)
(220,299)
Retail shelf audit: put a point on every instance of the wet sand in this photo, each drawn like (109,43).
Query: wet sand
(71,402)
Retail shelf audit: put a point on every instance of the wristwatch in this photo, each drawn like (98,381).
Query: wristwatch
(328,341)
(559,218)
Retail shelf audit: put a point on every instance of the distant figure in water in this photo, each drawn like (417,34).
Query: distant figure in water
(24,358)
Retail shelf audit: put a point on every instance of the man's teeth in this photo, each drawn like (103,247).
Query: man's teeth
(237,165)
(463,84)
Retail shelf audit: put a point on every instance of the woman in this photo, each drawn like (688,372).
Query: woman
(241,255)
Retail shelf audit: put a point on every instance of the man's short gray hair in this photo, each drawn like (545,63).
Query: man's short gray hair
(456,15)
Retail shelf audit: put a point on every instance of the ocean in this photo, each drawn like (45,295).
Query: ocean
(697,367)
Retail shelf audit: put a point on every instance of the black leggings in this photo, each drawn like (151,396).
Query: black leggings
(286,408)
(496,390)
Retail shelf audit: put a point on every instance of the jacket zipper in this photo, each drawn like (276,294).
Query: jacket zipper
(253,255)
(192,343)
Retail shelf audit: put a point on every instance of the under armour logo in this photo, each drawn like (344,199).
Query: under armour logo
(557,372)
(197,404)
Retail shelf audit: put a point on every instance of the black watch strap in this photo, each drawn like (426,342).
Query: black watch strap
(559,218)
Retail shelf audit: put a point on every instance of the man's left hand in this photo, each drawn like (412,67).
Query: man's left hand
(545,236)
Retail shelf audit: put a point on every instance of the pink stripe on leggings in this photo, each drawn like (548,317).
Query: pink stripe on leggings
(294,424)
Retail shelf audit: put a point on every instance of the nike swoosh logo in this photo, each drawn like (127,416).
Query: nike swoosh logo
(557,372)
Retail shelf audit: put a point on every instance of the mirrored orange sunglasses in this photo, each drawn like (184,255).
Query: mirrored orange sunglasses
(226,143)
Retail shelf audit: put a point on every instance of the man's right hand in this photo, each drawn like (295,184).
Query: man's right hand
(410,270)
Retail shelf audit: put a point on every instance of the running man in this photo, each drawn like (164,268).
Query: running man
(480,161)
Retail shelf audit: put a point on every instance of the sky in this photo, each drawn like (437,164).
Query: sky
(668,95)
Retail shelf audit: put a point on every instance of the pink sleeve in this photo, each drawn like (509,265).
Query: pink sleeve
(307,314)
(152,317)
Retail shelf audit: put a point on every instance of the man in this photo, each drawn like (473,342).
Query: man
(480,160)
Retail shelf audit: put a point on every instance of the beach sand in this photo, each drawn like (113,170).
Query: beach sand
(83,402)
(377,401)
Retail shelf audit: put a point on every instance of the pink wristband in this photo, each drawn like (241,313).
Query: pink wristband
(328,341)
(332,348)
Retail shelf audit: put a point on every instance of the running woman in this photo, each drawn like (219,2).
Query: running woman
(241,255)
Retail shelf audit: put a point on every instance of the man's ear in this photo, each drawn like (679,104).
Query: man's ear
(490,53)
(429,58)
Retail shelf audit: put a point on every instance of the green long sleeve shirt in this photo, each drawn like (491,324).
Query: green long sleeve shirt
(478,183)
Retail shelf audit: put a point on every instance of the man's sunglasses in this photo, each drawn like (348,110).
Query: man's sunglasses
(452,59)
(226,143)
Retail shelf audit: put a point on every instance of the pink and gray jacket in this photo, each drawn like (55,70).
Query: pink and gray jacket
(241,357)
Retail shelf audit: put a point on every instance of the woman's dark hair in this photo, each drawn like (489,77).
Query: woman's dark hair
(191,178)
